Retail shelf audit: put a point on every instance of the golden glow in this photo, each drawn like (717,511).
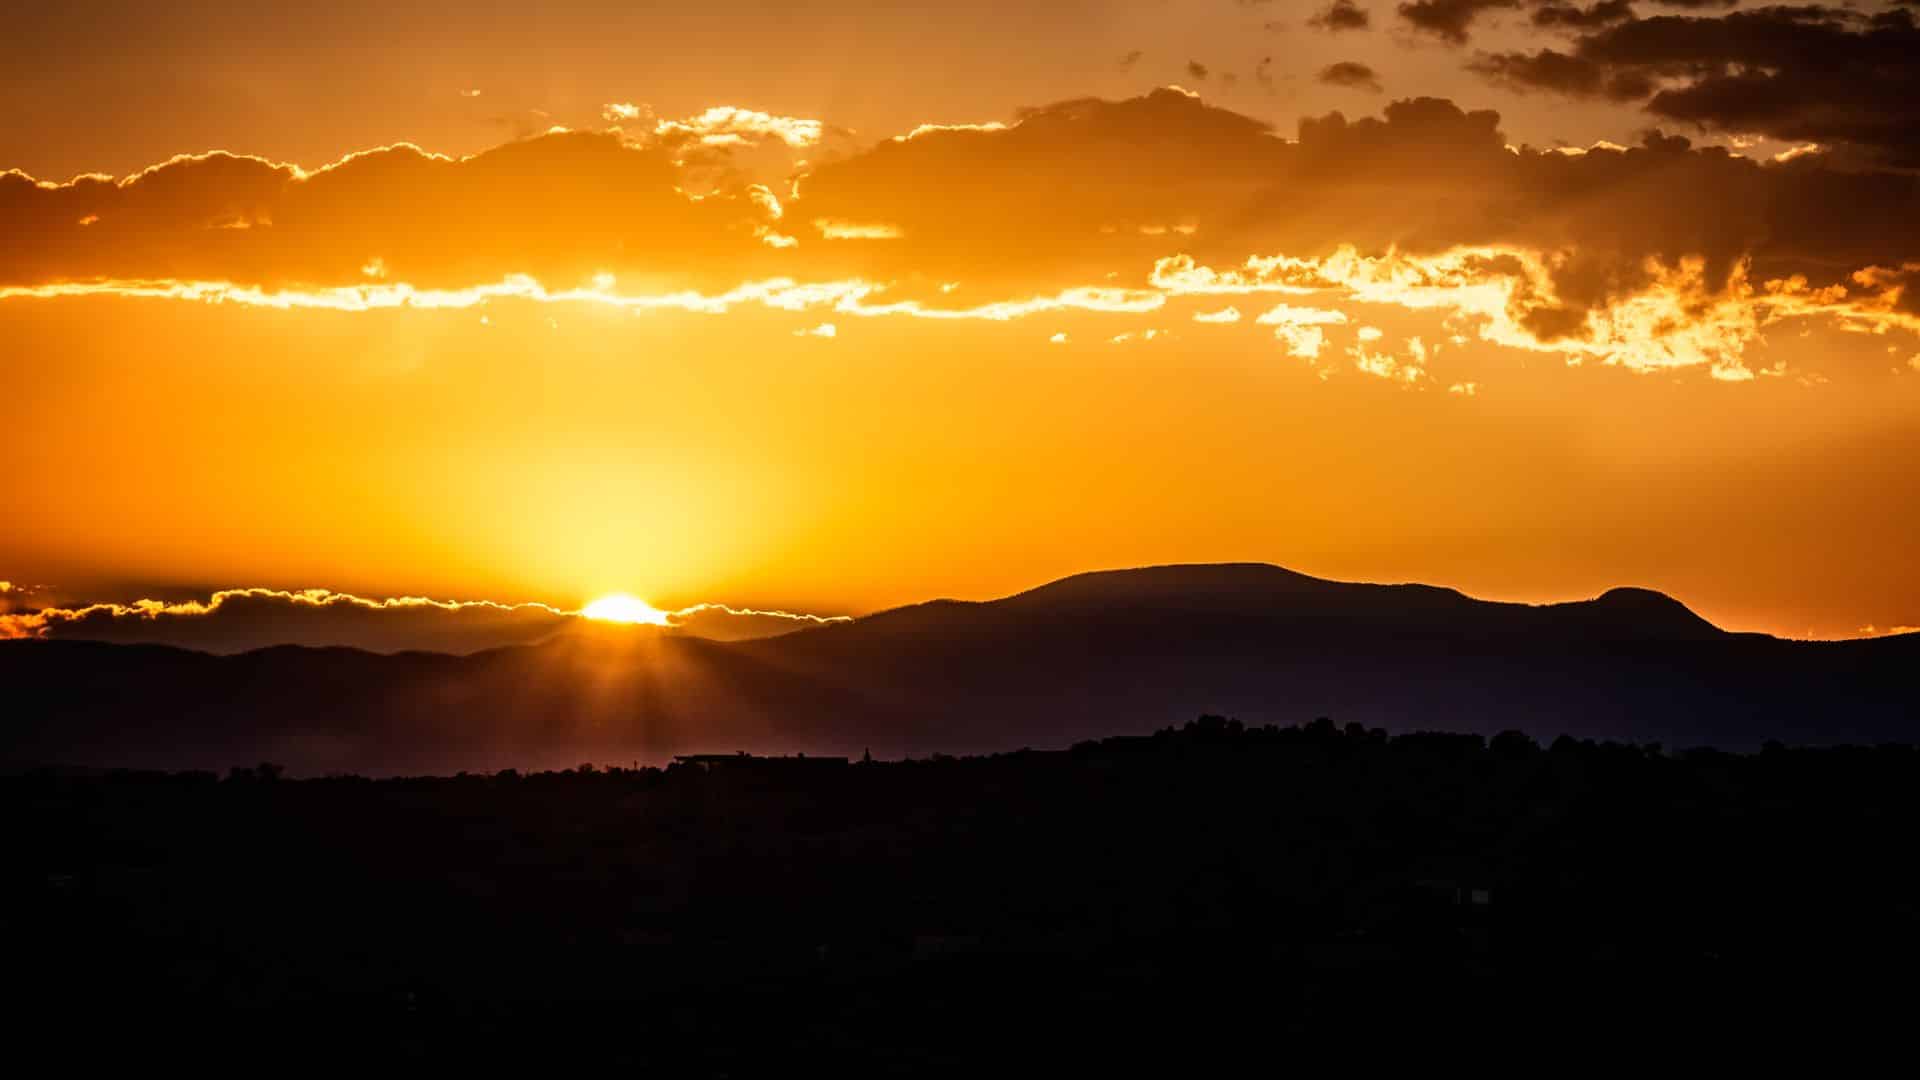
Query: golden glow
(547,366)
(624,608)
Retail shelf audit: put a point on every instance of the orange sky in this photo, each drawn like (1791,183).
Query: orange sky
(743,334)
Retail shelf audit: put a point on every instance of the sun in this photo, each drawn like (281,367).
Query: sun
(623,608)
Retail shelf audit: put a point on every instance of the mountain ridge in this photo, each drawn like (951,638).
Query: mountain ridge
(1250,588)
(1111,652)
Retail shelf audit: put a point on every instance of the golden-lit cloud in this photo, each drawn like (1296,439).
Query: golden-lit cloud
(1408,369)
(1305,342)
(723,622)
(935,129)
(1289,315)
(1676,317)
(853,230)
(727,124)
(1654,257)
(1084,298)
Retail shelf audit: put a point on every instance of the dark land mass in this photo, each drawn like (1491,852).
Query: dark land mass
(1209,900)
(1096,654)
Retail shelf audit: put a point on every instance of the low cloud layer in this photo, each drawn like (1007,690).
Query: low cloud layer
(236,620)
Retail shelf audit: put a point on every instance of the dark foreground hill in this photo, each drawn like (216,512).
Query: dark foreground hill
(1203,902)
(1090,655)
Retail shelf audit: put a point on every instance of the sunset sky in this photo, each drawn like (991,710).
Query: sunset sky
(813,309)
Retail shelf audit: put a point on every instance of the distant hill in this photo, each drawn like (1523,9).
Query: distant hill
(1090,655)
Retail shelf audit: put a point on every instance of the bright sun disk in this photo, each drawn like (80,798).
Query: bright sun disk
(623,608)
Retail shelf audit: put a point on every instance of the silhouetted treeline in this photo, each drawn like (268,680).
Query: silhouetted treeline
(1171,900)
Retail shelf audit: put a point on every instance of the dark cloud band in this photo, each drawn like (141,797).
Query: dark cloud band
(1834,76)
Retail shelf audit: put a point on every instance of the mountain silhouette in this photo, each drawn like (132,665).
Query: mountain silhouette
(1091,655)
